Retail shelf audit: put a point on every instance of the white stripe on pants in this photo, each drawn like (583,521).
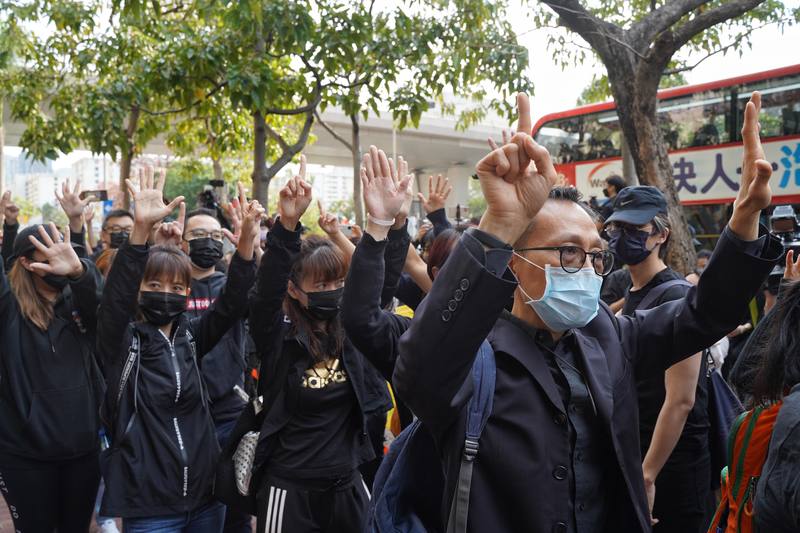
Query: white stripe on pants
(274,521)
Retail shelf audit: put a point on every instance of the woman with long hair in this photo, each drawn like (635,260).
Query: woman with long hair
(320,390)
(159,469)
(775,347)
(51,387)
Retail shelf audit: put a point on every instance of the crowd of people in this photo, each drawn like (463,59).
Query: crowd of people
(184,374)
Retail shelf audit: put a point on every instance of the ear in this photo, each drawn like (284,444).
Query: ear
(292,290)
(434,272)
(665,236)
(26,263)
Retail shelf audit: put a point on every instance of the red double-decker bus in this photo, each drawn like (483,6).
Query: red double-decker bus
(702,126)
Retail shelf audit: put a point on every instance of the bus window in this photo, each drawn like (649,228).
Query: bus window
(582,138)
(699,119)
(780,106)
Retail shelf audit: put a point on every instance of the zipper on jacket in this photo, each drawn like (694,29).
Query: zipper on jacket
(178,436)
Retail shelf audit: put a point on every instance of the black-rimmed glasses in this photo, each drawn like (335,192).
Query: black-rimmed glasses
(573,258)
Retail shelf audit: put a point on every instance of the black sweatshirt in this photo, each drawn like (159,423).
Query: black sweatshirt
(50,386)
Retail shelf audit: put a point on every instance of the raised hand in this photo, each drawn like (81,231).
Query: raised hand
(88,214)
(60,258)
(5,200)
(171,233)
(149,206)
(328,222)
(384,190)
(515,191)
(295,198)
(402,172)
(506,134)
(755,193)
(439,189)
(250,237)
(792,272)
(234,211)
(70,199)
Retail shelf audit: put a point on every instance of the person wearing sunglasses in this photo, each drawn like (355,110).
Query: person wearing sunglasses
(673,407)
(560,449)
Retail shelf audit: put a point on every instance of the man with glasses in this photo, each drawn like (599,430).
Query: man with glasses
(560,451)
(117,226)
(224,366)
(673,407)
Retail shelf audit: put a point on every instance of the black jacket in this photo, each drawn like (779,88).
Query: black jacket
(50,384)
(164,448)
(777,500)
(223,367)
(518,483)
(284,357)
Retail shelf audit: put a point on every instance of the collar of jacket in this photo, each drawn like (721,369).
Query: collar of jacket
(512,338)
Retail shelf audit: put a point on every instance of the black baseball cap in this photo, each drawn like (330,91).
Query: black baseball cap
(638,205)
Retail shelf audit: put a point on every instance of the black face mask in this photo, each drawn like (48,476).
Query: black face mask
(606,193)
(325,305)
(205,252)
(118,238)
(56,282)
(630,246)
(161,308)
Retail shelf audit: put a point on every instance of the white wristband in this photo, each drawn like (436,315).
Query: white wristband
(379,222)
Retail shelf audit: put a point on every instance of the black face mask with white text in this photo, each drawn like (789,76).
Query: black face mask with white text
(161,308)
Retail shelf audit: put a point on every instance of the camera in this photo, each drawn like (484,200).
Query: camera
(783,224)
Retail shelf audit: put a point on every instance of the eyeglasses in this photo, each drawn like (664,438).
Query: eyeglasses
(203,234)
(117,229)
(615,229)
(573,258)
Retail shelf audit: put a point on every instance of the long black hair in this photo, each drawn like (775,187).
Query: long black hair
(774,348)
(320,260)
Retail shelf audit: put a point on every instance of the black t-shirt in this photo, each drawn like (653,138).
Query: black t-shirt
(615,286)
(320,441)
(692,447)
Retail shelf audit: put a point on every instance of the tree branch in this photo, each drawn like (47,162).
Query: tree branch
(669,42)
(576,18)
(332,132)
(218,87)
(288,152)
(644,31)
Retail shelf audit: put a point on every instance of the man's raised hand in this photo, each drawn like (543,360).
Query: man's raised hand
(514,189)
(295,198)
(754,191)
(384,189)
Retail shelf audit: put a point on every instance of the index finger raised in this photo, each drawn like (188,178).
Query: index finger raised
(524,124)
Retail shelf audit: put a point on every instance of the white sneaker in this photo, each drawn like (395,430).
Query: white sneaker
(109,526)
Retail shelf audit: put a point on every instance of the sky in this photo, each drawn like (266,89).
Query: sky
(557,90)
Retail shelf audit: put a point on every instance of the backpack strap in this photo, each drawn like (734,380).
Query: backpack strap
(478,411)
(658,291)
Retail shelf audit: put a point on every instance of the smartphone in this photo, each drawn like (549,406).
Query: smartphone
(346,229)
(100,195)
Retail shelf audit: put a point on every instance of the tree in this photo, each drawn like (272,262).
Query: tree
(407,59)
(637,42)
(54,214)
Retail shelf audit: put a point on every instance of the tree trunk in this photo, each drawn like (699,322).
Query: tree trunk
(636,100)
(355,147)
(628,166)
(260,179)
(2,144)
(128,152)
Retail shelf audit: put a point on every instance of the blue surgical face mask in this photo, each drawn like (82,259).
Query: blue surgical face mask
(569,300)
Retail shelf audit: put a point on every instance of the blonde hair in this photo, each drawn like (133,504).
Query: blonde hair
(31,304)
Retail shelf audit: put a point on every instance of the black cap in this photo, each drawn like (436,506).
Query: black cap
(638,205)
(23,246)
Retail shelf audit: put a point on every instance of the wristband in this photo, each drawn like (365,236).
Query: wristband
(380,222)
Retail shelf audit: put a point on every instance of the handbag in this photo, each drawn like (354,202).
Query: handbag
(723,408)
(235,481)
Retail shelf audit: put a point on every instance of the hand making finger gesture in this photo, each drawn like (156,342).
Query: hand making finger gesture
(754,191)
(171,233)
(295,198)
(60,257)
(149,206)
(792,272)
(252,212)
(70,199)
(405,209)
(439,189)
(516,180)
(328,222)
(234,211)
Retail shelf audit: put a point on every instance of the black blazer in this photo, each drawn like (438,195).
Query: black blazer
(518,483)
